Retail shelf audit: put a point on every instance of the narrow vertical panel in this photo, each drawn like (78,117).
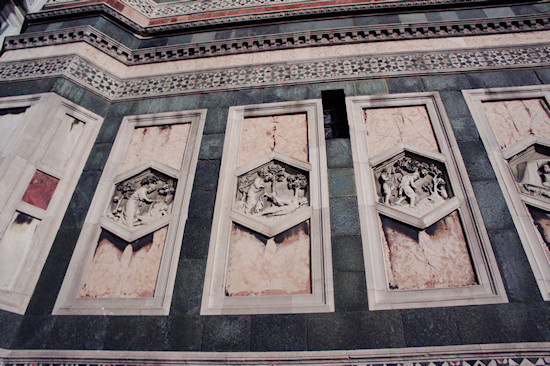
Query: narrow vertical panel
(64,142)
(40,190)
(15,244)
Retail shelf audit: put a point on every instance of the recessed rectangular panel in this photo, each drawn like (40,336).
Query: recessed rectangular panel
(40,190)
(121,269)
(15,244)
(514,120)
(165,144)
(387,127)
(259,265)
(285,134)
(436,257)
(63,142)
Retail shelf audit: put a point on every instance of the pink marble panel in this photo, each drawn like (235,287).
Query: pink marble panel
(286,134)
(40,190)
(387,127)
(541,220)
(120,269)
(514,120)
(436,257)
(269,266)
(165,144)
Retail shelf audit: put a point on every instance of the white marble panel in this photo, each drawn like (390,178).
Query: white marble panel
(63,142)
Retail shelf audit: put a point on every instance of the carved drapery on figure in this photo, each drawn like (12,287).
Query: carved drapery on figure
(271,190)
(142,199)
(412,185)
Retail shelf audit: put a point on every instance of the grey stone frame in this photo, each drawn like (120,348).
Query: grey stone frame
(19,161)
(490,288)
(515,200)
(321,299)
(68,301)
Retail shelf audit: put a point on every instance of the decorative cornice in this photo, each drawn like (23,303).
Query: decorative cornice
(512,354)
(351,35)
(103,83)
(173,16)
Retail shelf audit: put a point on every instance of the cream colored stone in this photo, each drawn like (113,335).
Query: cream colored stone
(116,274)
(436,257)
(63,142)
(387,127)
(15,244)
(514,120)
(275,266)
(257,58)
(285,134)
(165,144)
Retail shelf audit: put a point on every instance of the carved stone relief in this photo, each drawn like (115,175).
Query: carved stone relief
(142,199)
(411,184)
(531,170)
(271,191)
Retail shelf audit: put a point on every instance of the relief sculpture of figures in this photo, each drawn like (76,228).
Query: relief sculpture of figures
(536,177)
(412,185)
(141,200)
(271,191)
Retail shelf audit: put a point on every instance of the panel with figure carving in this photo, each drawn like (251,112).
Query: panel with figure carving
(127,252)
(270,246)
(424,243)
(514,125)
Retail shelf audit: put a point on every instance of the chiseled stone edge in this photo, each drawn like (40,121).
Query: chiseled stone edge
(351,35)
(103,83)
(511,354)
(169,24)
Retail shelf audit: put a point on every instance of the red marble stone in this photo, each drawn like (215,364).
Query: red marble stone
(40,190)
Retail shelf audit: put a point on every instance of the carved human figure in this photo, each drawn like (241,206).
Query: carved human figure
(133,215)
(254,202)
(283,206)
(545,174)
(387,187)
(407,187)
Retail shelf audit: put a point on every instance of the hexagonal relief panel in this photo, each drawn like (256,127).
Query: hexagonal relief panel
(140,203)
(531,170)
(414,187)
(270,193)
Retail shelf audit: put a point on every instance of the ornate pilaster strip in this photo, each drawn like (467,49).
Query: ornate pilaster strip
(349,68)
(352,35)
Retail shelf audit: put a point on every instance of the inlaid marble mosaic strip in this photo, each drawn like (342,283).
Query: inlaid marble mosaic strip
(99,80)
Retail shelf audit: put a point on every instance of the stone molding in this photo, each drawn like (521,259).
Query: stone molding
(512,354)
(98,80)
(186,15)
(352,35)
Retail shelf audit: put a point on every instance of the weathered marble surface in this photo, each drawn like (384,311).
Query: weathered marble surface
(8,125)
(63,142)
(387,127)
(436,257)
(286,134)
(269,266)
(14,247)
(40,190)
(165,144)
(116,273)
(542,223)
(514,120)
